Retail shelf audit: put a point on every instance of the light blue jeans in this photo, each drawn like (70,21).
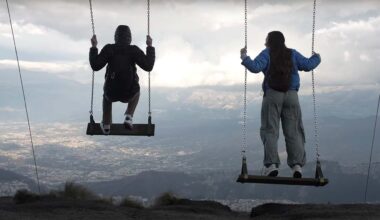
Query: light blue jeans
(285,106)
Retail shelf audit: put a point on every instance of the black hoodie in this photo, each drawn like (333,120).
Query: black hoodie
(122,56)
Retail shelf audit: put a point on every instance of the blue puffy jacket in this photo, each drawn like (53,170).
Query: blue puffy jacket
(261,64)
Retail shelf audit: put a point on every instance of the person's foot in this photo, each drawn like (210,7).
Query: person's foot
(106,129)
(128,123)
(271,170)
(297,171)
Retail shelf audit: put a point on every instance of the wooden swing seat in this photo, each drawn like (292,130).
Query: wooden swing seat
(119,129)
(282,180)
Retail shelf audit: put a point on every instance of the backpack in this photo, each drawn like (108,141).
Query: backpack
(121,80)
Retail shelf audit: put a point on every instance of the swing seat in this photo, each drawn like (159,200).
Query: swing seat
(282,180)
(319,180)
(119,129)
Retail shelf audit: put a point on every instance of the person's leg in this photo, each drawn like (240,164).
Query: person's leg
(107,111)
(132,104)
(293,130)
(105,125)
(269,131)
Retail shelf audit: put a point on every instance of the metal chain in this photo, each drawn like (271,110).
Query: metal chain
(244,127)
(316,135)
(23,94)
(148,27)
(93,72)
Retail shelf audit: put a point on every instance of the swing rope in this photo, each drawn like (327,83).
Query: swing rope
(149,98)
(316,134)
(244,126)
(93,72)
(370,157)
(23,94)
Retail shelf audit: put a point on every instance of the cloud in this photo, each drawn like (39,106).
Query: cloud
(25,28)
(66,70)
(226,100)
(49,67)
(38,42)
(350,52)
(9,109)
(330,89)
(197,42)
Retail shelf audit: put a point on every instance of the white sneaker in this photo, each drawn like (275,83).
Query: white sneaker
(106,129)
(128,122)
(297,171)
(272,170)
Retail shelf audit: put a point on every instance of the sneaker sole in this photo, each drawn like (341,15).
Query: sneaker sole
(297,175)
(128,126)
(274,173)
(105,131)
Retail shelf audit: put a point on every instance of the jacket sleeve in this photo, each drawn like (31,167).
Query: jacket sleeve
(145,62)
(306,64)
(98,61)
(258,64)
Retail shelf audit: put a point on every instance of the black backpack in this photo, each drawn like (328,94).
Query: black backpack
(121,81)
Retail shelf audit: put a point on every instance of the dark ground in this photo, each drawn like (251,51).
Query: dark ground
(186,209)
(314,211)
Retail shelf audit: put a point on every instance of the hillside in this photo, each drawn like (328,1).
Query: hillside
(223,186)
(71,209)
(185,209)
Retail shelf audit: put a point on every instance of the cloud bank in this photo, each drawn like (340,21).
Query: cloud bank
(197,42)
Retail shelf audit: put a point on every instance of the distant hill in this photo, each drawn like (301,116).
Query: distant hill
(343,187)
(147,184)
(10,182)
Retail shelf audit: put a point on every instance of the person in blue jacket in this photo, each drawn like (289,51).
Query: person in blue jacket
(280,66)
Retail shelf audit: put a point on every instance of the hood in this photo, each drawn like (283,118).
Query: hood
(123,35)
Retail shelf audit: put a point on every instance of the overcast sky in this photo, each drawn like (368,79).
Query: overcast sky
(197,42)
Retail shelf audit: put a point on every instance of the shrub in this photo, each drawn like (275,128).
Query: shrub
(166,199)
(71,191)
(77,192)
(131,203)
(106,200)
(24,196)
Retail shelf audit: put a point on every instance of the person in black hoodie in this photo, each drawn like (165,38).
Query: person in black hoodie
(121,79)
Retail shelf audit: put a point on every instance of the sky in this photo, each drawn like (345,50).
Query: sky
(197,57)
(197,48)
(197,42)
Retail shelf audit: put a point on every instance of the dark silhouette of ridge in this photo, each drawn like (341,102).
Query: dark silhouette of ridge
(316,211)
(58,208)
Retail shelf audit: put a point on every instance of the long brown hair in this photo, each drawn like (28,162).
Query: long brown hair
(280,55)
